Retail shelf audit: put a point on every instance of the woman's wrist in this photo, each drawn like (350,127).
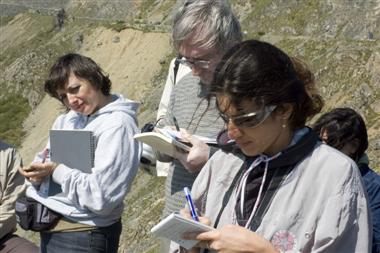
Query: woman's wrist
(53,166)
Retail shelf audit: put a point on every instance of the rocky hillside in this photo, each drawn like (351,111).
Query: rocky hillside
(130,40)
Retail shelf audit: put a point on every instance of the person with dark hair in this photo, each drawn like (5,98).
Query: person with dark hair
(91,203)
(11,187)
(345,130)
(279,189)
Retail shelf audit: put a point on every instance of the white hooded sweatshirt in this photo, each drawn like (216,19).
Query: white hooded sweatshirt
(97,198)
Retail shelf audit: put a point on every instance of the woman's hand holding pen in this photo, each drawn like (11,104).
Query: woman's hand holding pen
(36,172)
(232,239)
(186,213)
(228,239)
(198,155)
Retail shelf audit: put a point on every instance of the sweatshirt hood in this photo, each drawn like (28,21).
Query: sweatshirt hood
(118,104)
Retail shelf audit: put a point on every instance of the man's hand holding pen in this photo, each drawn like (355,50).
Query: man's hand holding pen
(198,155)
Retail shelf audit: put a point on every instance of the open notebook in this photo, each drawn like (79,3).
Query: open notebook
(166,140)
(162,142)
(74,148)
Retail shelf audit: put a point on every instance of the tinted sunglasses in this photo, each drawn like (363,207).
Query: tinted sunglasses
(251,119)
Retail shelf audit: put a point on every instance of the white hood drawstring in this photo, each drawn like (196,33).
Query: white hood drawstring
(243,183)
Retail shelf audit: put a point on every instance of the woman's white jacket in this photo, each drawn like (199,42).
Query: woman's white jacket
(319,207)
(97,198)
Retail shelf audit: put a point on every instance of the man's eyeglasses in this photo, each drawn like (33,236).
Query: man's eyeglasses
(194,63)
(251,119)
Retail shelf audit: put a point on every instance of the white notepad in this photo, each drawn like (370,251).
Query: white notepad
(175,225)
(166,140)
(74,148)
(161,142)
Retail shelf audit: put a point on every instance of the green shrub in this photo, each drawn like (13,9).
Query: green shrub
(117,26)
(13,110)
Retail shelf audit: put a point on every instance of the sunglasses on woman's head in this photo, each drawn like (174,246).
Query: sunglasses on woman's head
(251,119)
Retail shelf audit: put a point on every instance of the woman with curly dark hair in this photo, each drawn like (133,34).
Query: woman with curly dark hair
(280,189)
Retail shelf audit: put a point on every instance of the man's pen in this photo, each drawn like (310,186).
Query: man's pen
(176,123)
(190,203)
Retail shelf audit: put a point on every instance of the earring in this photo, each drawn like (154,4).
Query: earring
(284,124)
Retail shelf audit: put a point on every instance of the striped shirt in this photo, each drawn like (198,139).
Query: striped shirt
(188,105)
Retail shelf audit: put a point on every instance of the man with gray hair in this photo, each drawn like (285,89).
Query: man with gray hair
(203,30)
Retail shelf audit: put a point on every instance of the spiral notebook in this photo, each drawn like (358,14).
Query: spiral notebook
(74,148)
(175,226)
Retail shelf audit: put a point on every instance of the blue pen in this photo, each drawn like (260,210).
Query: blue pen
(190,203)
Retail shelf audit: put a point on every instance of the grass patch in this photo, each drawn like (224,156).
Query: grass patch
(144,205)
(145,7)
(14,109)
(30,60)
(149,103)
(166,6)
(117,26)
(4,20)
